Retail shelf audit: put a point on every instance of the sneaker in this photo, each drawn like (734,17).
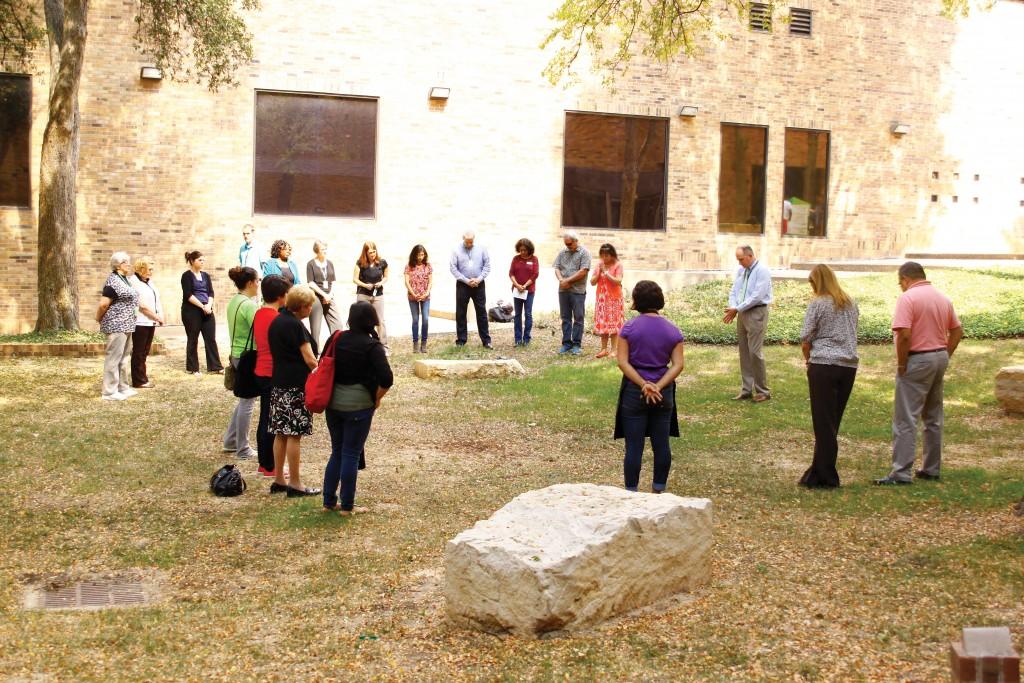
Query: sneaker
(116,396)
(245,455)
(891,481)
(197,374)
(576,350)
(565,348)
(270,474)
(127,393)
(147,385)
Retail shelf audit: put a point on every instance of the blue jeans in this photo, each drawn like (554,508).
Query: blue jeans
(521,305)
(349,430)
(420,310)
(571,307)
(639,419)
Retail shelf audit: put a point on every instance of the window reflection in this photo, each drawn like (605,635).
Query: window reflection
(741,179)
(805,188)
(315,155)
(15,129)
(614,174)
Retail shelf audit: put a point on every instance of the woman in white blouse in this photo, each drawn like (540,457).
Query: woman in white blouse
(150,315)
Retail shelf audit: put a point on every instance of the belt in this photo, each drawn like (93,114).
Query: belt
(916,353)
(756,306)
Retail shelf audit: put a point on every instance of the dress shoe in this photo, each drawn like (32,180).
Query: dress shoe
(147,385)
(760,398)
(278,488)
(489,346)
(302,493)
(921,474)
(741,397)
(891,481)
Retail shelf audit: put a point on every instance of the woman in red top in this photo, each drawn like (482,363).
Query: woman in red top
(274,289)
(523,273)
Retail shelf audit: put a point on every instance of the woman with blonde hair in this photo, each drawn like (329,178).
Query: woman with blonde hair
(828,340)
(150,316)
(369,276)
(294,355)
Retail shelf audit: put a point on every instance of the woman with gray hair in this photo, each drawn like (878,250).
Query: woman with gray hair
(150,316)
(116,316)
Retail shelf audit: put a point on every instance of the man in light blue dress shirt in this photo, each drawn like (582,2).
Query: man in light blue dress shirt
(470,265)
(249,253)
(748,305)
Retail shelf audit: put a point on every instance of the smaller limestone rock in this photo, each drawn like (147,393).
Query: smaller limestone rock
(572,555)
(1010,388)
(468,369)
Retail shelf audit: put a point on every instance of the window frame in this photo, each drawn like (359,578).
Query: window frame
(664,189)
(764,178)
(28,204)
(828,178)
(315,93)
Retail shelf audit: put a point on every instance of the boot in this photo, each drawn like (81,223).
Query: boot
(415,346)
(423,346)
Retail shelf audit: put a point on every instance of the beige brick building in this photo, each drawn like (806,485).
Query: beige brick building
(167,167)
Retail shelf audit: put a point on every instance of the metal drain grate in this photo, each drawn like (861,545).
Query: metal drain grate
(90,594)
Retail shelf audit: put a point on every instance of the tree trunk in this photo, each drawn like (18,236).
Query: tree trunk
(58,168)
(634,154)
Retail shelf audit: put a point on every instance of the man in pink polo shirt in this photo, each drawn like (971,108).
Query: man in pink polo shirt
(927,333)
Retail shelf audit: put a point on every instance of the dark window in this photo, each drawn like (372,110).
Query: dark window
(614,173)
(760,17)
(15,130)
(741,178)
(799,21)
(805,186)
(315,155)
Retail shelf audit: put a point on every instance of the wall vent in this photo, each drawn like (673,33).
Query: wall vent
(760,17)
(799,21)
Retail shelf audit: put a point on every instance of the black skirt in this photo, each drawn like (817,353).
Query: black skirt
(673,428)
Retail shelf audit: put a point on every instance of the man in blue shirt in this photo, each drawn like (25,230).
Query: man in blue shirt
(748,305)
(470,265)
(249,254)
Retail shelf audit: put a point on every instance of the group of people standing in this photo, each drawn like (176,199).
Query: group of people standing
(648,349)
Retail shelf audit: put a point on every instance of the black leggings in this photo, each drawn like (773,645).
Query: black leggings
(196,322)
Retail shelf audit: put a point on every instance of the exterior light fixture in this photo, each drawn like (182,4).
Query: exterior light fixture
(688,111)
(151,73)
(439,93)
(900,129)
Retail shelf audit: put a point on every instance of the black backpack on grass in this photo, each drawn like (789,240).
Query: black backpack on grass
(227,482)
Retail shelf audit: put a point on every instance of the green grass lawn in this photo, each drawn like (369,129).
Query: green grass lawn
(863,583)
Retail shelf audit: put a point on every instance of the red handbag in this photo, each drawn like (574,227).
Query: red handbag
(320,383)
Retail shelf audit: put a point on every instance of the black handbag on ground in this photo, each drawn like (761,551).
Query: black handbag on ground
(227,482)
(246,385)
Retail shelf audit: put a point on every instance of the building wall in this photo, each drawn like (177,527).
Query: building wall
(168,166)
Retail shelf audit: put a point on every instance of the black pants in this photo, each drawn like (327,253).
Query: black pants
(463,293)
(264,439)
(142,342)
(196,323)
(830,387)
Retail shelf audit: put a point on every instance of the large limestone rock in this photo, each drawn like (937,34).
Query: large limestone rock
(1010,388)
(572,555)
(468,369)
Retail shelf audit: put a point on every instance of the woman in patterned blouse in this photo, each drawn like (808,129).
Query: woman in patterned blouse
(116,316)
(829,342)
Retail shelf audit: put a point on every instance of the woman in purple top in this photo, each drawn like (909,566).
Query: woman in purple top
(647,398)
(197,315)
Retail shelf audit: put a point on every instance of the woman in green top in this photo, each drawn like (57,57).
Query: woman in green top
(241,311)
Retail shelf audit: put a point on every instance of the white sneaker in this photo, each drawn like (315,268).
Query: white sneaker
(116,396)
(129,392)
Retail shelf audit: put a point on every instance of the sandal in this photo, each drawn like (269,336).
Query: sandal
(357,510)
(334,508)
(601,354)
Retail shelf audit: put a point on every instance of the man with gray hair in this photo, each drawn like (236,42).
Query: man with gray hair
(470,265)
(571,267)
(927,332)
(748,306)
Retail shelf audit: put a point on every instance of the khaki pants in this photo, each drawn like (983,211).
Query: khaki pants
(378,305)
(750,327)
(117,363)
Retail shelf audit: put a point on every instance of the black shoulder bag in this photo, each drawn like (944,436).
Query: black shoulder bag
(246,384)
